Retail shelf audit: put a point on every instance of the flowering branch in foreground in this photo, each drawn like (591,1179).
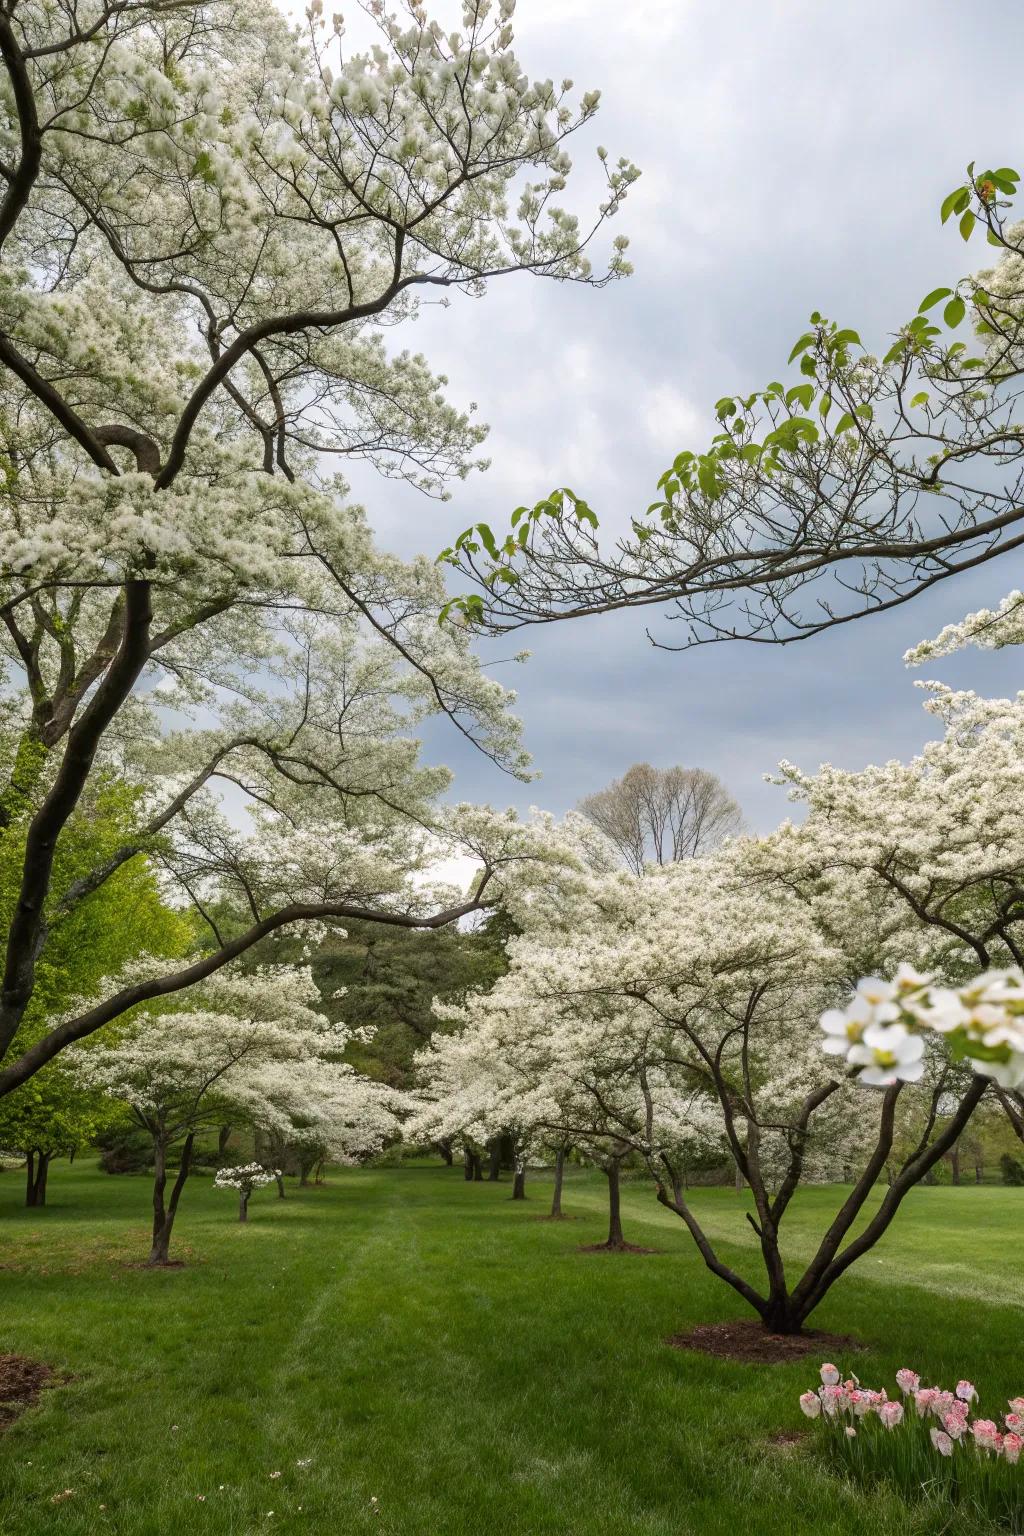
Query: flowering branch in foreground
(882,1030)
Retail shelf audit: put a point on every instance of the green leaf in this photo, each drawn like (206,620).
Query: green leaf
(846,339)
(949,203)
(954,312)
(933,298)
(802,394)
(824,406)
(967,224)
(845,423)
(921,398)
(802,345)
(708,481)
(490,543)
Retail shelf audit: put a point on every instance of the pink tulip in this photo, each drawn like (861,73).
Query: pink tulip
(908,1381)
(966,1392)
(942,1443)
(810,1404)
(986,1435)
(890,1414)
(1012,1447)
(829,1375)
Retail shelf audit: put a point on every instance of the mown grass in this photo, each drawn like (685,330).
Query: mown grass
(447,1365)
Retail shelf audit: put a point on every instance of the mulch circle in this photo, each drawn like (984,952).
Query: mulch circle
(21,1381)
(748,1343)
(614,1248)
(156,1269)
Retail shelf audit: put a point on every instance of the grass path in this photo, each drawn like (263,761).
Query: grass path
(415,1356)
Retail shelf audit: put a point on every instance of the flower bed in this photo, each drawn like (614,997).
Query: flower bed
(927,1441)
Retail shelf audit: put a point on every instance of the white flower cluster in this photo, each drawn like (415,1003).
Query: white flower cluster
(989,629)
(881,1032)
(245,1179)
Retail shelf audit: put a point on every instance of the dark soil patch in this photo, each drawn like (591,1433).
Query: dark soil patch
(615,1248)
(748,1343)
(786,1441)
(157,1268)
(21,1381)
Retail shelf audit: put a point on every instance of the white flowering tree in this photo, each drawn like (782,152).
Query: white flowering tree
(207,222)
(251,1048)
(691,1014)
(245,1179)
(934,848)
(315,1109)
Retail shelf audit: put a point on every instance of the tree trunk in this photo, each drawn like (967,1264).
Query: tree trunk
(37,1167)
(279,1179)
(243,1205)
(519,1182)
(615,1238)
(954,1163)
(494,1162)
(445,1149)
(306,1167)
(42,1170)
(223,1137)
(478,1168)
(741,1182)
(780,1317)
(163,1215)
(467,1164)
(556,1194)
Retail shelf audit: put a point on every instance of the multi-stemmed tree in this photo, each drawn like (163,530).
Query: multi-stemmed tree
(208,221)
(657,815)
(693,1009)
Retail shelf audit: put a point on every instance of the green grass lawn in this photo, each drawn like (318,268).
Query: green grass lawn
(449,1366)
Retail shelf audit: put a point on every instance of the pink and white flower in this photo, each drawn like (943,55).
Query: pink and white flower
(942,1443)
(890,1414)
(810,1404)
(829,1375)
(966,1392)
(986,1435)
(908,1381)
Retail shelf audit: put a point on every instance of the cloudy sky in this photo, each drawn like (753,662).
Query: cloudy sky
(794,155)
